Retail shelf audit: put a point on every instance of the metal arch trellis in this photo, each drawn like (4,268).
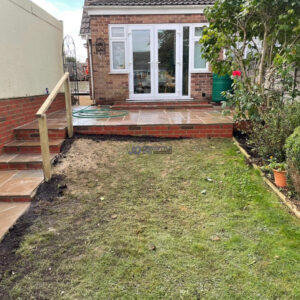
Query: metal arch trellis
(70,65)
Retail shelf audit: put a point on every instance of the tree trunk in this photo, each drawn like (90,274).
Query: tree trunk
(262,61)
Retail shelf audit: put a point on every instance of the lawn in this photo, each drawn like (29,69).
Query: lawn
(195,224)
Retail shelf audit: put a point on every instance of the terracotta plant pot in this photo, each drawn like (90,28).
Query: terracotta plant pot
(280,178)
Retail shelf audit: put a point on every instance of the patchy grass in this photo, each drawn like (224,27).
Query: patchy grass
(142,227)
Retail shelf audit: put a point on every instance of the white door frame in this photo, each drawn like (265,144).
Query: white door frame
(154,95)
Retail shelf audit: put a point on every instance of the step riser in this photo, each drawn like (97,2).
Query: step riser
(29,135)
(163,103)
(15,199)
(29,149)
(21,166)
(172,131)
(160,107)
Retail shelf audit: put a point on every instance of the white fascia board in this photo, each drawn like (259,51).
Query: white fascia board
(145,10)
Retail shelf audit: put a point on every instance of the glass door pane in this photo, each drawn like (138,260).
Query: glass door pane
(185,60)
(141,61)
(166,61)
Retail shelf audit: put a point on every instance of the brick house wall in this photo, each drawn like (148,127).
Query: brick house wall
(19,111)
(201,86)
(113,88)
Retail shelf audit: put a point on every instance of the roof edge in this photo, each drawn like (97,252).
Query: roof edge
(145,6)
(149,9)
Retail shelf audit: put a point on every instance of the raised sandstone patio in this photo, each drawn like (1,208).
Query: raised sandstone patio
(194,123)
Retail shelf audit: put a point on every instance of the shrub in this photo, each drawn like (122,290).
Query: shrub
(270,134)
(293,157)
(293,148)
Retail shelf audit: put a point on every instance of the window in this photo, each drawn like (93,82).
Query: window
(198,64)
(117,41)
(118,55)
(117,32)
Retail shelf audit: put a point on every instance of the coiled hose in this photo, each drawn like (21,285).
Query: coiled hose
(99,113)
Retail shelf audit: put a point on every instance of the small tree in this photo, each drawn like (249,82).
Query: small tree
(260,38)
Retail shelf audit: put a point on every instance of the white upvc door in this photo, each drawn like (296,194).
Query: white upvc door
(155,62)
(141,62)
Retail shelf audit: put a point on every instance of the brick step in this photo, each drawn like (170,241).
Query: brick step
(22,161)
(163,105)
(33,134)
(32,146)
(162,102)
(19,186)
(200,106)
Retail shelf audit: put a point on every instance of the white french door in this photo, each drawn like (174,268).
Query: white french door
(155,62)
(141,62)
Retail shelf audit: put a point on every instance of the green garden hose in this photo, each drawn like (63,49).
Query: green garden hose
(99,113)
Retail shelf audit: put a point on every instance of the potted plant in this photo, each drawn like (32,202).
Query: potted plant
(279,171)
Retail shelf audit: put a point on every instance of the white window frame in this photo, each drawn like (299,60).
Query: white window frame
(193,39)
(118,39)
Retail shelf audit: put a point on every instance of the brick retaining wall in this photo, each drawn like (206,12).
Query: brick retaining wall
(19,111)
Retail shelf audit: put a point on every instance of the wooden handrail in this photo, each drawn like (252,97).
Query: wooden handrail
(43,126)
(43,109)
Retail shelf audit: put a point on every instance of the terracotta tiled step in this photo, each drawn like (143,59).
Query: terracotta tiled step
(9,214)
(30,131)
(55,121)
(33,134)
(19,186)
(21,161)
(32,146)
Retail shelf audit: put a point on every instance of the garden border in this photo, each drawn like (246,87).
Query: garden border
(283,198)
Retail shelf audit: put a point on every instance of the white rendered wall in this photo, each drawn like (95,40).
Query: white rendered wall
(30,49)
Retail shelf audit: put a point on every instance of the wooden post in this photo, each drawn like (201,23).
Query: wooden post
(43,127)
(68,106)
(44,141)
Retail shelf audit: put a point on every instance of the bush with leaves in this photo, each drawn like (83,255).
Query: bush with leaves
(261,40)
(292,147)
(269,134)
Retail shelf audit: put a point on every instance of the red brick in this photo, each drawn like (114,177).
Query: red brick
(19,111)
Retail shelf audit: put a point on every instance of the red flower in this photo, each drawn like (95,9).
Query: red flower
(236,73)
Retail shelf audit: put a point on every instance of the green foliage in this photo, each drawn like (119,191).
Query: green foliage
(246,103)
(269,134)
(261,39)
(274,165)
(292,147)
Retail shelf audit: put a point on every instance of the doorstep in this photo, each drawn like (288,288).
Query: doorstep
(163,104)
